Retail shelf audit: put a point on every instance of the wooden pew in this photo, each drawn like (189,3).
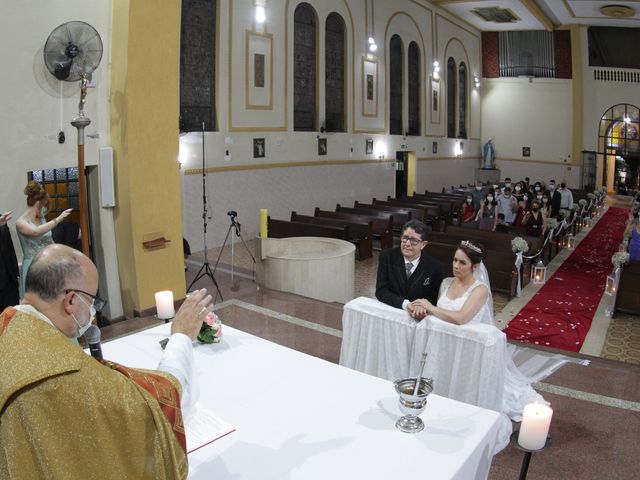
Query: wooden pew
(628,298)
(400,217)
(284,229)
(361,234)
(382,224)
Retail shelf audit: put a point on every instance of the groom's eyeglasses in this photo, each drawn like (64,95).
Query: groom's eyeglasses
(411,240)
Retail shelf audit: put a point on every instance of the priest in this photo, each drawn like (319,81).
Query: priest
(63,414)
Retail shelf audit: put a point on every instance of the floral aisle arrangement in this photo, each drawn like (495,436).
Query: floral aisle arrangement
(519,245)
(619,258)
(210,331)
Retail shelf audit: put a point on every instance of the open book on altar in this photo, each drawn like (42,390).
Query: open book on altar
(203,427)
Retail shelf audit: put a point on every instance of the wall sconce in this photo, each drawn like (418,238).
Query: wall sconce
(610,288)
(372,45)
(476,81)
(539,273)
(436,70)
(261,15)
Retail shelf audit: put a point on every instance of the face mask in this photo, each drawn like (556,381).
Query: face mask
(469,200)
(552,186)
(537,188)
(518,188)
(535,209)
(525,198)
(545,200)
(507,195)
(478,187)
(92,314)
(539,197)
(490,199)
(563,185)
(507,184)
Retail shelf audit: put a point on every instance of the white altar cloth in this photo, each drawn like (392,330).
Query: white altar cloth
(300,417)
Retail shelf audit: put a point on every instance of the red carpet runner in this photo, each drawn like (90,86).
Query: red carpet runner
(560,314)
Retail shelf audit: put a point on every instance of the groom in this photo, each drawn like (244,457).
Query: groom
(407,273)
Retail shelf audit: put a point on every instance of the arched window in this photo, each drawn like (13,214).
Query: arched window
(462,101)
(334,77)
(304,68)
(451,98)
(414,88)
(395,85)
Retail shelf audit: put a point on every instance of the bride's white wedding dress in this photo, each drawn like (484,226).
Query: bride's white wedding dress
(517,387)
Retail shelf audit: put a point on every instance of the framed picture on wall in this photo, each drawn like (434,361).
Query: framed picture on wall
(435,100)
(526,151)
(258,64)
(322,146)
(369,87)
(258,148)
(368,146)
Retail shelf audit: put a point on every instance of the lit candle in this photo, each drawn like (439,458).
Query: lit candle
(164,305)
(536,419)
(263,223)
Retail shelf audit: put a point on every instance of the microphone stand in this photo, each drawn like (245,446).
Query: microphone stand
(205,270)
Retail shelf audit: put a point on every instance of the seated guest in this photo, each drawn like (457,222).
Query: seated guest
(65,415)
(9,271)
(468,210)
(408,272)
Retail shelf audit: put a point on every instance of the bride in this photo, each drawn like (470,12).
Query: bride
(466,299)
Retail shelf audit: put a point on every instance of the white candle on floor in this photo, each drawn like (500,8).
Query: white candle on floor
(536,419)
(164,304)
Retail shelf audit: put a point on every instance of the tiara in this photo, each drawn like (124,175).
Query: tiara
(468,244)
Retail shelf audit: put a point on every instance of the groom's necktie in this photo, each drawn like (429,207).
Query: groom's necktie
(408,266)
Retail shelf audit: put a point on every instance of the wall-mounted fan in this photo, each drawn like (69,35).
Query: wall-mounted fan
(73,50)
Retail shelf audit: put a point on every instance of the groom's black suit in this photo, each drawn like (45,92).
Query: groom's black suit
(393,286)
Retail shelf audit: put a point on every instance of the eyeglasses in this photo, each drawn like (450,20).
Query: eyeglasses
(411,240)
(98,303)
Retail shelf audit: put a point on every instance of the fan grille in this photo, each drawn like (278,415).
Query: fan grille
(72,49)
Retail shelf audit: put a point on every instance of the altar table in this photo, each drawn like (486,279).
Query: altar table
(300,417)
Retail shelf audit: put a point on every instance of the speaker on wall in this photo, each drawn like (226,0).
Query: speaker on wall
(107,188)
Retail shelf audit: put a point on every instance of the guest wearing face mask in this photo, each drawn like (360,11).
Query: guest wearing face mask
(533,221)
(34,231)
(566,197)
(507,183)
(478,194)
(519,190)
(468,213)
(554,198)
(523,206)
(508,206)
(488,213)
(537,188)
(545,205)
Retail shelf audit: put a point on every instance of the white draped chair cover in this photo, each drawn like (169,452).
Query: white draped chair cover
(466,362)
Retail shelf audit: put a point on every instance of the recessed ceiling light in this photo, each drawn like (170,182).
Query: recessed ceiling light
(617,11)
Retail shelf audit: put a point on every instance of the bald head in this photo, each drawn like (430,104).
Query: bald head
(56,268)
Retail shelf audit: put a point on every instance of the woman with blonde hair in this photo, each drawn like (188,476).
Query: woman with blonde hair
(34,231)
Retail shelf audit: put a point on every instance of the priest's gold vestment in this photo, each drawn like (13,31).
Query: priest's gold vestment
(64,415)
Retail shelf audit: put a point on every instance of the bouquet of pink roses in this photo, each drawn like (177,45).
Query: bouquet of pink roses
(210,331)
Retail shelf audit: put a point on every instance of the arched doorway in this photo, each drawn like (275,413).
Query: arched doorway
(619,148)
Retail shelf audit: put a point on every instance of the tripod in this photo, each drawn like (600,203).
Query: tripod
(235,224)
(205,270)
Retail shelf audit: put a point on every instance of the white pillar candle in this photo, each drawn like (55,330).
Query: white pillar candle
(164,305)
(536,419)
